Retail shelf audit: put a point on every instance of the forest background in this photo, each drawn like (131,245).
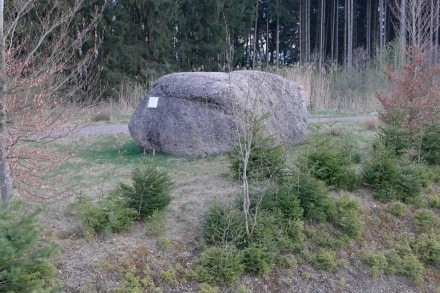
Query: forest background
(140,40)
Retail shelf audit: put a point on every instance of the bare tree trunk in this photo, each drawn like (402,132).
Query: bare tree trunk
(368,41)
(419,20)
(278,35)
(304,31)
(334,31)
(348,35)
(5,173)
(255,37)
(436,35)
(382,18)
(402,31)
(321,33)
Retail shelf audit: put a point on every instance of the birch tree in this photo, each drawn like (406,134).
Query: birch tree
(5,175)
(43,63)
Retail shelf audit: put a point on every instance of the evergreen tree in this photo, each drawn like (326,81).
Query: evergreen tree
(23,264)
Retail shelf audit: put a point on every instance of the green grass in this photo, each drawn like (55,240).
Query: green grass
(94,165)
(338,112)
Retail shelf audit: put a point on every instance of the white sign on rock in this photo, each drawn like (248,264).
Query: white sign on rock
(152,102)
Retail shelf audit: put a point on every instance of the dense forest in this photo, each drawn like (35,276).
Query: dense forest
(143,39)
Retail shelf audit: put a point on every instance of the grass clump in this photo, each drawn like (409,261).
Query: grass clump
(24,265)
(325,260)
(400,260)
(397,209)
(427,247)
(426,221)
(149,191)
(106,216)
(156,224)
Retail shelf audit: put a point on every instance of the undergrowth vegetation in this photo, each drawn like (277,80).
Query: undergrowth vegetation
(148,194)
(24,265)
(304,211)
(350,195)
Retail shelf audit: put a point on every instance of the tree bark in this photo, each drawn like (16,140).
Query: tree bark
(304,31)
(278,35)
(349,34)
(321,34)
(368,29)
(255,37)
(5,173)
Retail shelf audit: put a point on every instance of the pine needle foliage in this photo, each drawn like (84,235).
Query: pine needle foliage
(23,261)
(150,191)
(266,160)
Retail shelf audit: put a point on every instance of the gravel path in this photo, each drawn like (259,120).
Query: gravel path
(123,128)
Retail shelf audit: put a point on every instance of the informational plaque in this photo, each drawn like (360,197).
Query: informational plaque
(152,102)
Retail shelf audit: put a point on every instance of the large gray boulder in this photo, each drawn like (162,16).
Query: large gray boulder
(199,113)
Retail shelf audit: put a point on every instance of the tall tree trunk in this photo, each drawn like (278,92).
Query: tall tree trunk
(334,31)
(5,173)
(348,35)
(267,35)
(321,33)
(278,34)
(402,31)
(304,31)
(368,30)
(255,37)
(382,22)
(437,33)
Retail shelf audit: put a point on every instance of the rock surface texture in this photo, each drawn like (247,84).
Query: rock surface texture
(199,113)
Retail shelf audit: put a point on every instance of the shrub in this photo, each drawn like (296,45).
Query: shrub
(223,225)
(258,259)
(427,247)
(23,261)
(149,192)
(107,216)
(265,160)
(326,236)
(393,178)
(265,231)
(283,198)
(431,144)
(292,239)
(325,260)
(394,138)
(219,265)
(434,201)
(412,105)
(312,194)
(330,162)
(346,216)
(377,261)
(426,220)
(397,209)
(401,260)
